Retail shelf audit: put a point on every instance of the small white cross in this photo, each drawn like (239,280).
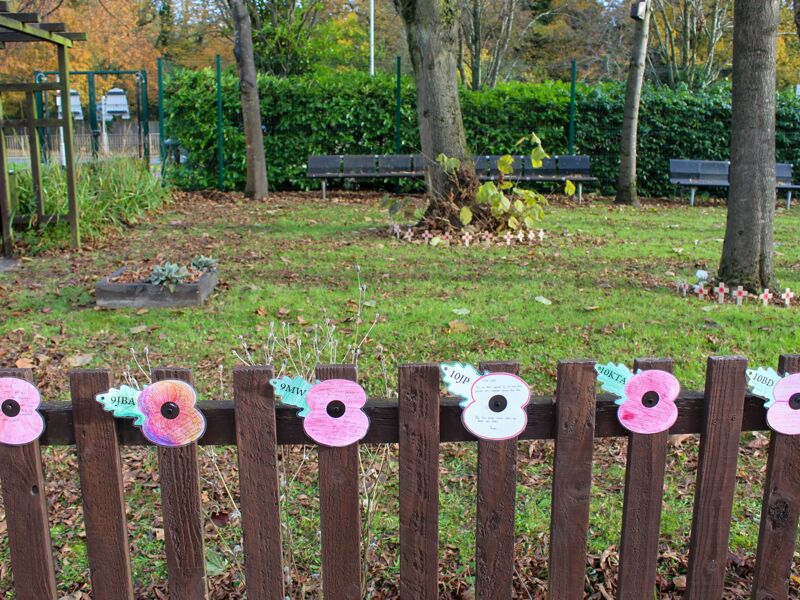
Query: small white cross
(521,236)
(531,235)
(787,297)
(394,229)
(408,235)
(466,238)
(765,297)
(446,237)
(541,235)
(487,238)
(426,236)
(740,294)
(721,291)
(701,292)
(508,237)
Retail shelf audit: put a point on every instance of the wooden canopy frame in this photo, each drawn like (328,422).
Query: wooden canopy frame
(26,27)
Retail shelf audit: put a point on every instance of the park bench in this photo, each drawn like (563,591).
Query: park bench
(418,422)
(369,166)
(696,174)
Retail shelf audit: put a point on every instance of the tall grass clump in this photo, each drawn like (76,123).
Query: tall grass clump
(112,194)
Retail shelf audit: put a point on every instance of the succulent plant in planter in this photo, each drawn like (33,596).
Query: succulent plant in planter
(168,275)
(204,264)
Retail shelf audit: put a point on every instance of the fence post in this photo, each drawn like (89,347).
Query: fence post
(716,477)
(145,120)
(641,514)
(179,475)
(161,147)
(572,478)
(220,155)
(25,505)
(574,76)
(418,420)
(780,509)
(93,114)
(398,95)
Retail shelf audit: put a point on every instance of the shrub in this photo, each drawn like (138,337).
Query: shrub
(355,114)
(111,194)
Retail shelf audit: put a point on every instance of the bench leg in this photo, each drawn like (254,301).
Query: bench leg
(789,200)
(691,196)
(580,193)
(324,190)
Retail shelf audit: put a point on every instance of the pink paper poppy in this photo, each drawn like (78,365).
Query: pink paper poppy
(335,417)
(784,414)
(649,406)
(170,416)
(20,422)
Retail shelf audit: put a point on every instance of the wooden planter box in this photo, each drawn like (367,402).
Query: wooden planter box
(109,294)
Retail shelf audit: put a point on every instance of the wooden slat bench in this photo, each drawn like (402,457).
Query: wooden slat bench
(419,422)
(695,174)
(367,166)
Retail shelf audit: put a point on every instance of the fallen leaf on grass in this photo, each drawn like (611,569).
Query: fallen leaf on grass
(457,327)
(79,360)
(138,329)
(142,311)
(543,300)
(24,363)
(461,311)
(591,308)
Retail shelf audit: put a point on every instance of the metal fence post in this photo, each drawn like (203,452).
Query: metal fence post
(572,108)
(398,105)
(145,119)
(220,155)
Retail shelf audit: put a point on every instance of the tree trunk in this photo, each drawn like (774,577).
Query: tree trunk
(626,184)
(747,254)
(797,15)
(256,186)
(477,45)
(432,35)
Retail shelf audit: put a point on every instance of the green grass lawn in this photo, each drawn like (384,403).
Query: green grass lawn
(609,273)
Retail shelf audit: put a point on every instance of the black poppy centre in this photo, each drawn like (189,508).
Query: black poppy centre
(336,409)
(10,408)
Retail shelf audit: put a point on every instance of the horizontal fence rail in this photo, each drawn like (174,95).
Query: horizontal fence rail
(419,421)
(384,424)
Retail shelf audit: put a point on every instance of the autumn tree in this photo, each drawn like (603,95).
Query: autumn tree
(432,36)
(748,249)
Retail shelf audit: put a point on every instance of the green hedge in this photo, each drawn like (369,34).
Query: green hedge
(355,114)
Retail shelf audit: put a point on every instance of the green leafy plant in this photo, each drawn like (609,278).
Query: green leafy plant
(204,264)
(168,275)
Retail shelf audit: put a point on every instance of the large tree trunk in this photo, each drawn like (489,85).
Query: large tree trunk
(626,184)
(256,186)
(747,254)
(432,35)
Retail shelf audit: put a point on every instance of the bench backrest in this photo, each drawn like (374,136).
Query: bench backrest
(482,164)
(548,168)
(319,165)
(516,165)
(578,166)
(702,170)
(783,173)
(359,164)
(392,164)
(418,164)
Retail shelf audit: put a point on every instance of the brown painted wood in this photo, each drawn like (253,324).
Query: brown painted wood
(383,416)
(716,477)
(256,438)
(35,155)
(572,479)
(69,148)
(418,389)
(25,505)
(780,510)
(100,471)
(641,514)
(339,508)
(497,487)
(5,198)
(183,517)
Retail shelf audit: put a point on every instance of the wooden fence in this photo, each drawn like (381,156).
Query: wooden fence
(419,422)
